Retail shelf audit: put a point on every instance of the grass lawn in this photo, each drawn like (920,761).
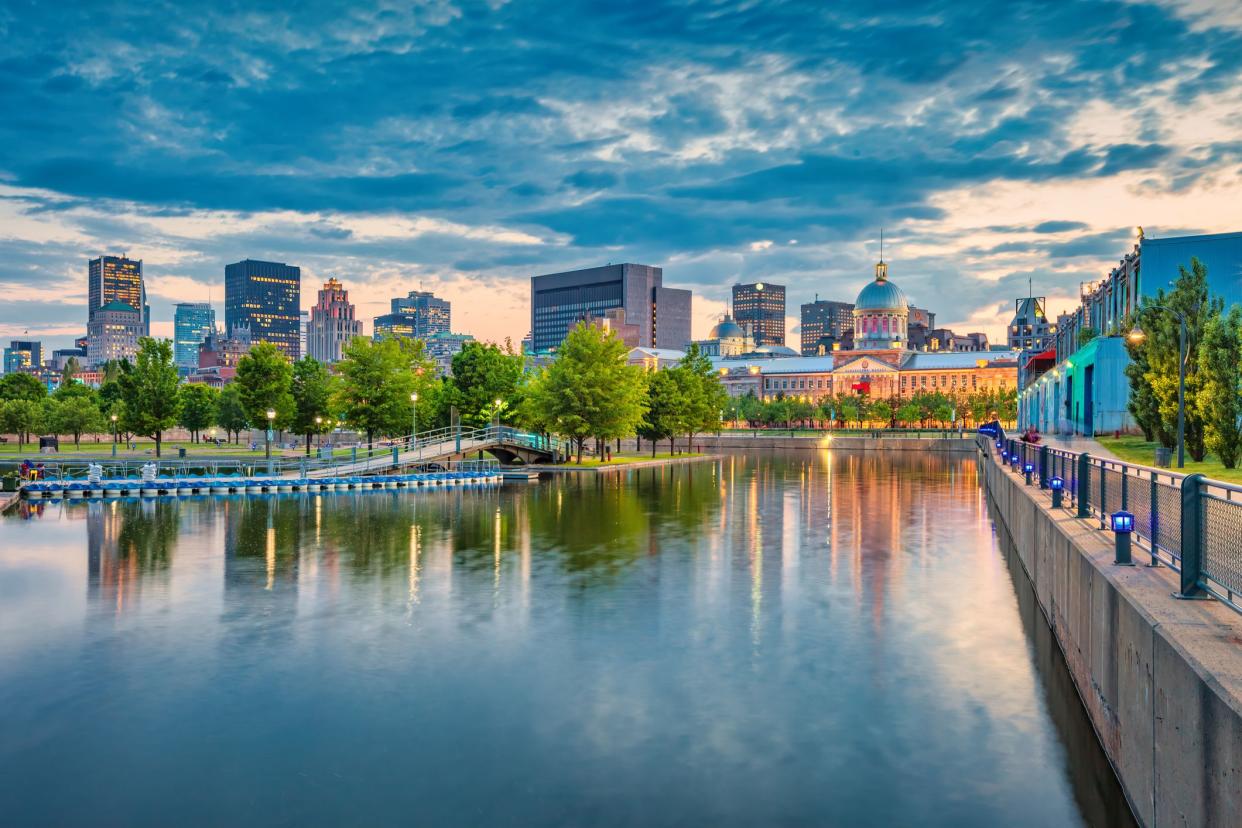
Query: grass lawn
(168,449)
(1134,449)
(623,459)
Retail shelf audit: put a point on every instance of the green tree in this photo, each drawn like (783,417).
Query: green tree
(20,386)
(1086,335)
(72,369)
(705,395)
(76,415)
(483,373)
(881,412)
(311,398)
(666,406)
(588,390)
(745,408)
(1220,393)
(20,417)
(230,412)
(264,379)
(198,408)
(376,381)
(908,413)
(1189,297)
(149,400)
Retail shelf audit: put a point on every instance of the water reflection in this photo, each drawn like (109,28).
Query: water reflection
(827,638)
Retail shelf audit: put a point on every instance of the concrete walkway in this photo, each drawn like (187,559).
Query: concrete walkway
(1079,444)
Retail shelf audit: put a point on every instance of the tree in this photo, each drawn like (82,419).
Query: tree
(908,413)
(20,386)
(230,412)
(198,408)
(149,400)
(705,396)
(882,412)
(746,408)
(1220,395)
(20,417)
(376,381)
(264,378)
(72,369)
(1086,335)
(311,397)
(76,415)
(588,390)
(666,407)
(483,373)
(1189,297)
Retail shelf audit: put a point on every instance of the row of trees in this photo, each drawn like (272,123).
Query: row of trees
(1213,393)
(922,409)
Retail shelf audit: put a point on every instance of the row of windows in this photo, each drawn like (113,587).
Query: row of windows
(950,381)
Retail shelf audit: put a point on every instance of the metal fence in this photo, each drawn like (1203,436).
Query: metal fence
(1189,523)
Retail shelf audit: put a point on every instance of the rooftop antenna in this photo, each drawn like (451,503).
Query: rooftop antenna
(881,244)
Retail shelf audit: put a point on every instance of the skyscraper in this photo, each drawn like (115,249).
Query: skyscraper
(418,315)
(760,308)
(825,323)
(192,323)
(559,301)
(117,279)
(265,297)
(332,324)
(113,332)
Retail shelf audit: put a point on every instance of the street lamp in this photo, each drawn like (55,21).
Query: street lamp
(498,402)
(271,415)
(413,419)
(114,435)
(1137,336)
(319,430)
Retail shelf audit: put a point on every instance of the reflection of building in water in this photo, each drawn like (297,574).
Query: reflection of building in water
(868,501)
(128,543)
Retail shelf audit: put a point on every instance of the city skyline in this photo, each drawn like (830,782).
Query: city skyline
(721,154)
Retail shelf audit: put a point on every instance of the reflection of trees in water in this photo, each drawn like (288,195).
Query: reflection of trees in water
(129,542)
(263,539)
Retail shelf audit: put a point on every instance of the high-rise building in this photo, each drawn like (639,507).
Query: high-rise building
(824,324)
(1030,329)
(759,308)
(117,279)
(442,347)
(332,324)
(418,315)
(192,322)
(113,333)
(266,298)
(23,355)
(559,301)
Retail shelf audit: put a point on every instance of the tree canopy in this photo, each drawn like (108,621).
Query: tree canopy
(150,403)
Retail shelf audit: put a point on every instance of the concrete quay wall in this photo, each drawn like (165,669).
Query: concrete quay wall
(712,442)
(1161,678)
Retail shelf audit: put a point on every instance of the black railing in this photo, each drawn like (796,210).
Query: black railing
(1189,523)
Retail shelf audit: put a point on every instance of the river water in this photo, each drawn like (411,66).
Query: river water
(823,638)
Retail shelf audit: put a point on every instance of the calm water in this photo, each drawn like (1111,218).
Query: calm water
(826,639)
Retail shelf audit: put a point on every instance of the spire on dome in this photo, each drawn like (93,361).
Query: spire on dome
(881,269)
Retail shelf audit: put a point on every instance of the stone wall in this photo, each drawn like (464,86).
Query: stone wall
(1161,678)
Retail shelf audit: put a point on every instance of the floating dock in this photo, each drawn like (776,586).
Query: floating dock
(188,486)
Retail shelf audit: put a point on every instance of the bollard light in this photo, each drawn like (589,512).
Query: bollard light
(1123,525)
(1004,456)
(1028,470)
(1058,489)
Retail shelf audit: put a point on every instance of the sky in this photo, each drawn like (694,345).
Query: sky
(464,147)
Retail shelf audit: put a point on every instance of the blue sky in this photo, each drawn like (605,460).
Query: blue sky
(464,147)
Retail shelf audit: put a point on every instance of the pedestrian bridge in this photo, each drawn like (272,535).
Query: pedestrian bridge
(506,444)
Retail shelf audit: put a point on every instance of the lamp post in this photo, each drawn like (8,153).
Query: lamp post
(271,415)
(413,420)
(1138,336)
(319,432)
(498,402)
(114,435)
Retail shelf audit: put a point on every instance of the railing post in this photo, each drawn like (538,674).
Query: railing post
(1192,538)
(396,461)
(1154,523)
(1082,485)
(1103,515)
(1043,467)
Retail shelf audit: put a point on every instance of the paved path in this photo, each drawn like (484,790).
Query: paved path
(1077,443)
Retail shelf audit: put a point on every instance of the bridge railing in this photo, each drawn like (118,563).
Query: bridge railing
(1189,523)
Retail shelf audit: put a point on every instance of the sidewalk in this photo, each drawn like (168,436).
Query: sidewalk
(1078,443)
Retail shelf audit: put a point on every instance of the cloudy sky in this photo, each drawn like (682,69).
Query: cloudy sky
(463,147)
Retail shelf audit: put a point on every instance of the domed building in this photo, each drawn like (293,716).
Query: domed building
(881,314)
(726,339)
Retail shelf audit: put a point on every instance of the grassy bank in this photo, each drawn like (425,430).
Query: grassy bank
(627,458)
(1137,450)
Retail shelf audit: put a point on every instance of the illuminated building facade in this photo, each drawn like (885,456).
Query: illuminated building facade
(113,333)
(332,323)
(192,323)
(266,298)
(759,308)
(117,279)
(825,324)
(1030,330)
(418,315)
(23,355)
